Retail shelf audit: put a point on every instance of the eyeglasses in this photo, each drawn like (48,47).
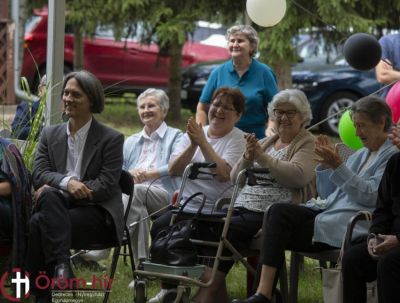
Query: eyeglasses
(289,113)
(224,107)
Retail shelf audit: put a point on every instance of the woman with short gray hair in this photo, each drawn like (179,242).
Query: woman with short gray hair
(146,157)
(289,159)
(255,80)
(344,188)
(295,97)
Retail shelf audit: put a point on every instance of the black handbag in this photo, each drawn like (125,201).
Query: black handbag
(172,245)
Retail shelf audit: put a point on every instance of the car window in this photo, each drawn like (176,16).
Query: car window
(314,50)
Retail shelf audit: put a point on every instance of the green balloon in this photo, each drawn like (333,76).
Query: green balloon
(347,132)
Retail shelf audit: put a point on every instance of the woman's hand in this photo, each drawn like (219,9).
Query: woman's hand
(139,175)
(253,148)
(195,132)
(327,153)
(395,135)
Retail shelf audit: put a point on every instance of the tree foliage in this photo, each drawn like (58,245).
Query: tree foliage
(336,20)
(170,22)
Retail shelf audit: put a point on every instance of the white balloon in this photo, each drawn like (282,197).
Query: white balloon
(266,12)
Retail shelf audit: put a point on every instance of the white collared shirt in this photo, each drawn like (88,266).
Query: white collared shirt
(148,155)
(76,144)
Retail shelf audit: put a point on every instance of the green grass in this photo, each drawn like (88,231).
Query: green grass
(310,289)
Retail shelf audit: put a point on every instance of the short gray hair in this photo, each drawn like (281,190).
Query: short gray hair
(250,33)
(295,97)
(158,94)
(375,108)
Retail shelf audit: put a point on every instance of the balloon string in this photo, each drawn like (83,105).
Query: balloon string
(340,112)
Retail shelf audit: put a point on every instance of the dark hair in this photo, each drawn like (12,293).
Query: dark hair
(91,86)
(232,94)
(375,108)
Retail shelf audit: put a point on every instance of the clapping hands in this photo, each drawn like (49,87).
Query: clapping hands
(195,132)
(327,153)
(395,135)
(253,148)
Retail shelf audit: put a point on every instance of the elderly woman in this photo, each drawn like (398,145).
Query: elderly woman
(379,258)
(289,157)
(146,157)
(220,142)
(343,188)
(255,80)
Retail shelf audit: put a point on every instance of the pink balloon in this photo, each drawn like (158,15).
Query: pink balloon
(393,100)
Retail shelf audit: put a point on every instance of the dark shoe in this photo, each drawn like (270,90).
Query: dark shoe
(62,276)
(80,262)
(256,298)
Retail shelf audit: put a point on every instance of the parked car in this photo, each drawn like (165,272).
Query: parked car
(121,65)
(329,88)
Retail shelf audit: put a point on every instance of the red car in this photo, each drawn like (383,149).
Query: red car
(120,65)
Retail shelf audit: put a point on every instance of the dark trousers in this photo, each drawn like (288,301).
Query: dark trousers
(243,226)
(358,268)
(288,227)
(57,226)
(5,221)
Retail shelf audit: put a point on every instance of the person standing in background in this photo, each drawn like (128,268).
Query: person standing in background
(255,80)
(388,69)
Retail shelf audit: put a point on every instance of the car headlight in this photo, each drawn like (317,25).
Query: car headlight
(305,85)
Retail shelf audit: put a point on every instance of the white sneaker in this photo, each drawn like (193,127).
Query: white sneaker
(158,298)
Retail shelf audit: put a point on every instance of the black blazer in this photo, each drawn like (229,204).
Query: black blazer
(101,165)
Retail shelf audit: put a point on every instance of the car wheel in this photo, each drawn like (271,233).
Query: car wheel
(335,104)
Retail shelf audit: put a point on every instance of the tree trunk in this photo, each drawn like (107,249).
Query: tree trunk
(283,72)
(174,83)
(78,48)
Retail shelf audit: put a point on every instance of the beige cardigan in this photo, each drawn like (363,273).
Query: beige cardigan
(296,171)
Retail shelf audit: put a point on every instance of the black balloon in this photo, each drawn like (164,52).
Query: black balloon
(362,51)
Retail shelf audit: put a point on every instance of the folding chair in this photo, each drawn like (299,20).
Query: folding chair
(127,187)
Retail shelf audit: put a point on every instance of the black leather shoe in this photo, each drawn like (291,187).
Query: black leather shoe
(256,298)
(62,275)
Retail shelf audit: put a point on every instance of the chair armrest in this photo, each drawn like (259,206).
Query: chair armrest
(360,216)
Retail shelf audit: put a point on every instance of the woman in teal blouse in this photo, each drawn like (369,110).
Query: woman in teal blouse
(255,80)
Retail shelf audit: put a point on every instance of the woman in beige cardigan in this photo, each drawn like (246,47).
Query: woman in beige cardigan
(289,157)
